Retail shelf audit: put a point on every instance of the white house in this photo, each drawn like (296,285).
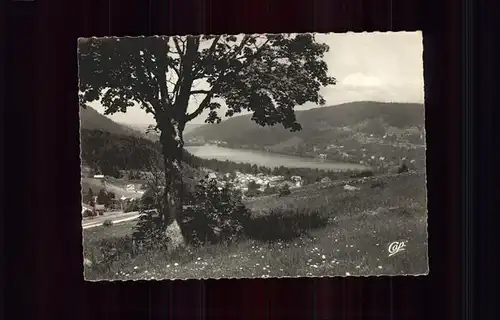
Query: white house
(350,188)
(86,209)
(212,175)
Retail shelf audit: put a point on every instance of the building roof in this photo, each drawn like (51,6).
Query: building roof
(86,206)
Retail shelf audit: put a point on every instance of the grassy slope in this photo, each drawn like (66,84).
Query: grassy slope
(363,224)
(315,122)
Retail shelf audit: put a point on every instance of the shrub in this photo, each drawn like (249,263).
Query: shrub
(252,193)
(149,199)
(149,233)
(107,223)
(284,225)
(103,197)
(362,174)
(105,252)
(132,206)
(213,215)
(403,168)
(284,190)
(378,184)
(88,213)
(270,190)
(253,186)
(88,197)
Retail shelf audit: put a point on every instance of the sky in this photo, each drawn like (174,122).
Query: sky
(379,66)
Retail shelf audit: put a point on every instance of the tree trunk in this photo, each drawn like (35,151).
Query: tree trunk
(172,147)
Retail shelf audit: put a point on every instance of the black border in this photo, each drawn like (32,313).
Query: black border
(42,238)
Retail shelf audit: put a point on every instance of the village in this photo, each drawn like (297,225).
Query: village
(378,152)
(134,191)
(241,180)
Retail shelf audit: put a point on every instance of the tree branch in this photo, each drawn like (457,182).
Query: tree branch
(186,82)
(204,104)
(199,92)
(178,47)
(209,54)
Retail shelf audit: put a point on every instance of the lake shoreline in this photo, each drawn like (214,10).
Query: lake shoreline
(270,159)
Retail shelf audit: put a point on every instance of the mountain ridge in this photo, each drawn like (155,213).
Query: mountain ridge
(316,122)
(91,119)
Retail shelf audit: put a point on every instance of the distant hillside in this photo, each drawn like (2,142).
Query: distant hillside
(90,119)
(192,126)
(109,154)
(321,123)
(155,136)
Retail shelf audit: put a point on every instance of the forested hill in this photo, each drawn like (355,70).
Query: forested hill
(109,153)
(90,119)
(112,155)
(318,122)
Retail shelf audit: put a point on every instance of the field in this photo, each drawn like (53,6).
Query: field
(361,226)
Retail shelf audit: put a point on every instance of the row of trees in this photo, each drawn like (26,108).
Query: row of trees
(254,190)
(102,197)
(308,175)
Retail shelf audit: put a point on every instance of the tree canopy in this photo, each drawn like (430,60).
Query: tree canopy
(267,75)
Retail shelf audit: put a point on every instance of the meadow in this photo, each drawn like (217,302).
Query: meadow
(351,237)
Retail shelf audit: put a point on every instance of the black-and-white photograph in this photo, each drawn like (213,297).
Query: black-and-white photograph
(253,156)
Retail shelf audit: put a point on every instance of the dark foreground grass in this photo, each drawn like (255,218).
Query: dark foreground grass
(353,238)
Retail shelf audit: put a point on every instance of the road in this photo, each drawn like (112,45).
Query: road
(115,217)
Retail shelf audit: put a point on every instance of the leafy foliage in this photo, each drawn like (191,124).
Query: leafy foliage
(148,233)
(266,74)
(107,223)
(88,197)
(253,186)
(214,214)
(270,190)
(403,168)
(284,190)
(132,206)
(149,200)
(109,251)
(103,198)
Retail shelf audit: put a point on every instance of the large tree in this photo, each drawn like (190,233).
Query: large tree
(267,75)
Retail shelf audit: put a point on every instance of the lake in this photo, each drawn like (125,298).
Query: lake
(268,159)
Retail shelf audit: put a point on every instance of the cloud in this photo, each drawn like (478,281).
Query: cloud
(361,80)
